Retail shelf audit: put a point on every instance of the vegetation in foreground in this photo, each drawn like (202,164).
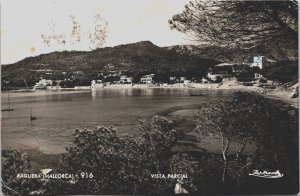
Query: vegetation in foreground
(123,164)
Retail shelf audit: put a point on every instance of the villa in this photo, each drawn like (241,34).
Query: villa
(172,79)
(42,84)
(182,79)
(96,84)
(147,79)
(257,62)
(126,80)
(215,76)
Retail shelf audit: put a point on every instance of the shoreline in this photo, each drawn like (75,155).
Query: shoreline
(277,93)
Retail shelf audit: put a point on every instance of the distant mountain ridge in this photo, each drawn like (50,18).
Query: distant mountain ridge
(135,53)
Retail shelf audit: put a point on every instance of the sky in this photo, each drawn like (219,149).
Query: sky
(126,21)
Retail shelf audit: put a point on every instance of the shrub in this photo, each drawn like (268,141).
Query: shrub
(12,164)
(271,124)
(121,164)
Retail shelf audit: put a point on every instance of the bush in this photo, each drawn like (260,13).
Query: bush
(282,73)
(245,76)
(12,164)
(121,164)
(105,163)
(272,125)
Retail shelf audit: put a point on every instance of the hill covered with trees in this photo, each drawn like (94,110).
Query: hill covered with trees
(136,57)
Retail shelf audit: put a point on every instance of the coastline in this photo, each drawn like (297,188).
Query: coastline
(228,84)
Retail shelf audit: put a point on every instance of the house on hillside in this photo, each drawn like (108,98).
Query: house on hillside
(42,84)
(96,84)
(126,80)
(186,82)
(112,74)
(172,79)
(45,82)
(182,79)
(147,79)
(257,62)
(214,77)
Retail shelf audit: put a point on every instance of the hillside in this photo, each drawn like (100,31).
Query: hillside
(276,50)
(140,56)
(281,58)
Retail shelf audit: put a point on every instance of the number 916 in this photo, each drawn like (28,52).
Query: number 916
(86,175)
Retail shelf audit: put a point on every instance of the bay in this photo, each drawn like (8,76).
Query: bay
(59,113)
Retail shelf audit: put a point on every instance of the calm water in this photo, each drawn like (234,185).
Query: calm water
(60,112)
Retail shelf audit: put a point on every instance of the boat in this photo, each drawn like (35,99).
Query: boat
(9,108)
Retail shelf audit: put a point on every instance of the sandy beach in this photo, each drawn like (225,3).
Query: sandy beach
(227,84)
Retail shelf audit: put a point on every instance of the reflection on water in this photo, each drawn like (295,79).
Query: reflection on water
(136,92)
(59,113)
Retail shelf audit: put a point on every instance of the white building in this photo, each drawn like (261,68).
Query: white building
(214,77)
(125,80)
(147,79)
(187,81)
(257,62)
(172,79)
(96,84)
(45,82)
(42,84)
(182,79)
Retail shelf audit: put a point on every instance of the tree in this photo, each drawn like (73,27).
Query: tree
(232,119)
(245,24)
(219,79)
(120,164)
(245,76)
(163,77)
(245,117)
(12,164)
(185,164)
(283,72)
(104,162)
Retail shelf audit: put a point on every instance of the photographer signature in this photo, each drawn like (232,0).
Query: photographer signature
(266,174)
